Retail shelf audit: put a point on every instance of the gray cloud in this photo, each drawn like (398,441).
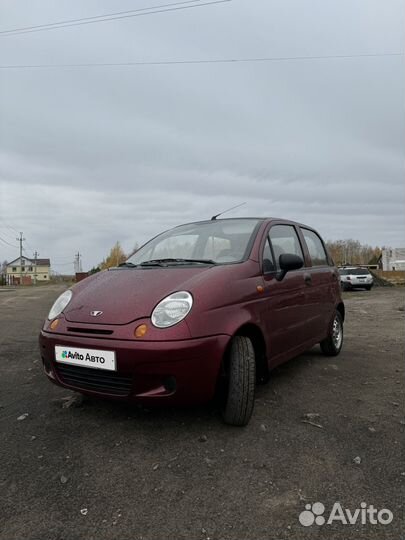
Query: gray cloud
(89,156)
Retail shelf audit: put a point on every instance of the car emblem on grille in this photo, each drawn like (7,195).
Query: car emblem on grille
(95,313)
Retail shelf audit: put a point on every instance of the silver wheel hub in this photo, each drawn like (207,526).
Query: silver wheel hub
(337,332)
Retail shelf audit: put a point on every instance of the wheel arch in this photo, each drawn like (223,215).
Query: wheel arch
(254,333)
(341,308)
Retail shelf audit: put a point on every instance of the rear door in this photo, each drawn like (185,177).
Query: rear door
(320,290)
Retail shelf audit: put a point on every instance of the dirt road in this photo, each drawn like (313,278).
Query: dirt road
(101,470)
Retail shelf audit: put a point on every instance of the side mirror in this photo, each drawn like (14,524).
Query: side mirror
(288,262)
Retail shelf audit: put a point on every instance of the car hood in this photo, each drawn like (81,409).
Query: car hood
(127,294)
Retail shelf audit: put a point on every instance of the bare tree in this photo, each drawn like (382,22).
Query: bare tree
(351,251)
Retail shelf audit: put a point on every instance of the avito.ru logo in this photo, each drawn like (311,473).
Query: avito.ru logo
(314,513)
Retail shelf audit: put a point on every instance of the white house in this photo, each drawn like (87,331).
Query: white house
(393,259)
(25,270)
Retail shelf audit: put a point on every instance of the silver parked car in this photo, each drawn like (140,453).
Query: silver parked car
(352,277)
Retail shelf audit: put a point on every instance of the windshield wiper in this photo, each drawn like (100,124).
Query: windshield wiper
(201,261)
(127,265)
(154,262)
(164,262)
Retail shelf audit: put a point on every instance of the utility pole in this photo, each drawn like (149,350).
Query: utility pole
(35,267)
(78,263)
(21,240)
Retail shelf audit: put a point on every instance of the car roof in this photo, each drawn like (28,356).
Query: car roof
(259,219)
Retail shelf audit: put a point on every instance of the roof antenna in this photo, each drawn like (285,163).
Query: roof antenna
(224,212)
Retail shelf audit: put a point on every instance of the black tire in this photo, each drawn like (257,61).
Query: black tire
(241,378)
(344,286)
(368,287)
(331,346)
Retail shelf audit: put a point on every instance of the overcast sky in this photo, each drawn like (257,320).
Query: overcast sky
(93,155)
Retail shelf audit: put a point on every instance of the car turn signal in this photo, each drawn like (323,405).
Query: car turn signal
(140,330)
(54,324)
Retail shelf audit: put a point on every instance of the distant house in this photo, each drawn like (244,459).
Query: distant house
(26,269)
(393,259)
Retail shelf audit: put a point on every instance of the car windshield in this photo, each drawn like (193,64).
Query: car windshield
(354,272)
(213,242)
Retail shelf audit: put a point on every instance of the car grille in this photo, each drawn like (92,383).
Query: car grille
(89,330)
(96,380)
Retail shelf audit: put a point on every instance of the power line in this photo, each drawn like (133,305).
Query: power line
(28,253)
(210,61)
(5,233)
(15,230)
(62,261)
(29,246)
(94,17)
(65,261)
(164,8)
(9,226)
(8,243)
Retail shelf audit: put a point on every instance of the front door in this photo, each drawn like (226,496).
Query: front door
(286,309)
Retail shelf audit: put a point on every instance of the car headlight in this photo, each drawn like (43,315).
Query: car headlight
(172,309)
(60,304)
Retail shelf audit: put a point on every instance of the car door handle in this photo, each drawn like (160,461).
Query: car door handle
(308,279)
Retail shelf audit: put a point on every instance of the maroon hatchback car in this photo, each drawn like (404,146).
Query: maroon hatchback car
(204,309)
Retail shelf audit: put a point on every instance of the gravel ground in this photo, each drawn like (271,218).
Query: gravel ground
(323,430)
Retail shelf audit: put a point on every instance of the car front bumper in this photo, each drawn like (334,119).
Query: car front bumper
(177,372)
(358,283)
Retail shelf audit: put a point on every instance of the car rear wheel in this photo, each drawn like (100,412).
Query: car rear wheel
(332,345)
(241,379)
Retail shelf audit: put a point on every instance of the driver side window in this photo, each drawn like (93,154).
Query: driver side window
(284,239)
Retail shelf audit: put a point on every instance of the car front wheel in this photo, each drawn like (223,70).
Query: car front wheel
(241,379)
(332,345)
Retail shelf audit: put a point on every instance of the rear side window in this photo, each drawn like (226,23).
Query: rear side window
(315,247)
(284,239)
